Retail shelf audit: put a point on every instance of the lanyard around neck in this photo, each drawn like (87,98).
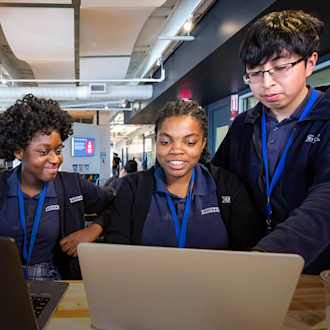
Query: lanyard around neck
(181,232)
(27,254)
(280,166)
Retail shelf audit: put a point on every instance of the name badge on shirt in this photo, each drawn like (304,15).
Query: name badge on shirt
(76,199)
(52,208)
(210,210)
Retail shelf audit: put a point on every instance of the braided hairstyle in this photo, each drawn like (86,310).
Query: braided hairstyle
(31,115)
(181,108)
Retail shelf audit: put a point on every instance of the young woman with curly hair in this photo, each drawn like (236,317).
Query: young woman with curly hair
(41,208)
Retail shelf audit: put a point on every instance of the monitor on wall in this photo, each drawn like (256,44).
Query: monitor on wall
(82,147)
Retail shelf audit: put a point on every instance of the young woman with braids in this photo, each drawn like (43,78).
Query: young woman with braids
(178,203)
(41,208)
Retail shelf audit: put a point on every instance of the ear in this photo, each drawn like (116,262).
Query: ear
(204,143)
(310,64)
(18,153)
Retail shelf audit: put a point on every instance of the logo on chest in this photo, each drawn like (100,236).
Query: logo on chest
(313,139)
(226,199)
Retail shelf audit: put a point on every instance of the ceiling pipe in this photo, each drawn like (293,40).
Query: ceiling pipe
(138,80)
(98,109)
(95,109)
(117,110)
(177,38)
(77,105)
(116,92)
(185,9)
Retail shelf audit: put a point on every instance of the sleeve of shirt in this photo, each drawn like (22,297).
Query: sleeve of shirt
(97,199)
(117,220)
(307,229)
(244,229)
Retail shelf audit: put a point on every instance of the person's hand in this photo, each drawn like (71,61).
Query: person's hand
(69,243)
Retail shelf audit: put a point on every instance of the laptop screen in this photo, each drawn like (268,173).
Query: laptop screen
(16,310)
(139,287)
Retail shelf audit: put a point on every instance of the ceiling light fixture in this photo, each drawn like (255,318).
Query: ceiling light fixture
(159,61)
(124,104)
(188,26)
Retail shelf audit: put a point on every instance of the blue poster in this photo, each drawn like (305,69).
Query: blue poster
(82,147)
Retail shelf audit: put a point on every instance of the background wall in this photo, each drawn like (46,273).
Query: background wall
(93,162)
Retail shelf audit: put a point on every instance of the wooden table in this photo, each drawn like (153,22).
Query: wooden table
(307,309)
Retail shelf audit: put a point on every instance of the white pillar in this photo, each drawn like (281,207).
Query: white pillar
(105,155)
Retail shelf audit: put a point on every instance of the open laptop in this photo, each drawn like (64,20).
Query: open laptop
(18,296)
(139,287)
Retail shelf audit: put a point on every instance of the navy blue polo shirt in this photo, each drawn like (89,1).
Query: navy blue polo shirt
(278,135)
(205,229)
(49,225)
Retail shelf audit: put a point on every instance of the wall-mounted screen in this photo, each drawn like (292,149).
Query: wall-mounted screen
(82,147)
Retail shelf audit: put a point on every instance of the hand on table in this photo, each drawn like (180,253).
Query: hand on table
(69,243)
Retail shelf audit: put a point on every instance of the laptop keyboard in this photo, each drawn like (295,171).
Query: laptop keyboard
(39,304)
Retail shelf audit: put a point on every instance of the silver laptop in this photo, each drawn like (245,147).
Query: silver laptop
(138,287)
(27,305)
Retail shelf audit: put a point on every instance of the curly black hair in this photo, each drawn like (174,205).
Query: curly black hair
(293,30)
(182,108)
(20,122)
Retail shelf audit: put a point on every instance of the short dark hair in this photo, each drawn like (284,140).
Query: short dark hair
(20,122)
(293,30)
(131,166)
(182,108)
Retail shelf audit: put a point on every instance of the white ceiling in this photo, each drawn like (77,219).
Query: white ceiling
(45,37)
(75,41)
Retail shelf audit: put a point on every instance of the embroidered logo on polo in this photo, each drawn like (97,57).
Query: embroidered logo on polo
(226,200)
(52,208)
(210,210)
(313,139)
(76,199)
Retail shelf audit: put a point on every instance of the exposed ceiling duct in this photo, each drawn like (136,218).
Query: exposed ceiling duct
(131,93)
(185,9)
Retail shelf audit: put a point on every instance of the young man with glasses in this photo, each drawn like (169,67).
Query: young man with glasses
(281,147)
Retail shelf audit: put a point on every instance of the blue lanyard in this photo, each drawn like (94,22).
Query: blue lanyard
(280,166)
(181,232)
(26,255)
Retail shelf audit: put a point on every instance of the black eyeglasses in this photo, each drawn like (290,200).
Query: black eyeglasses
(277,72)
